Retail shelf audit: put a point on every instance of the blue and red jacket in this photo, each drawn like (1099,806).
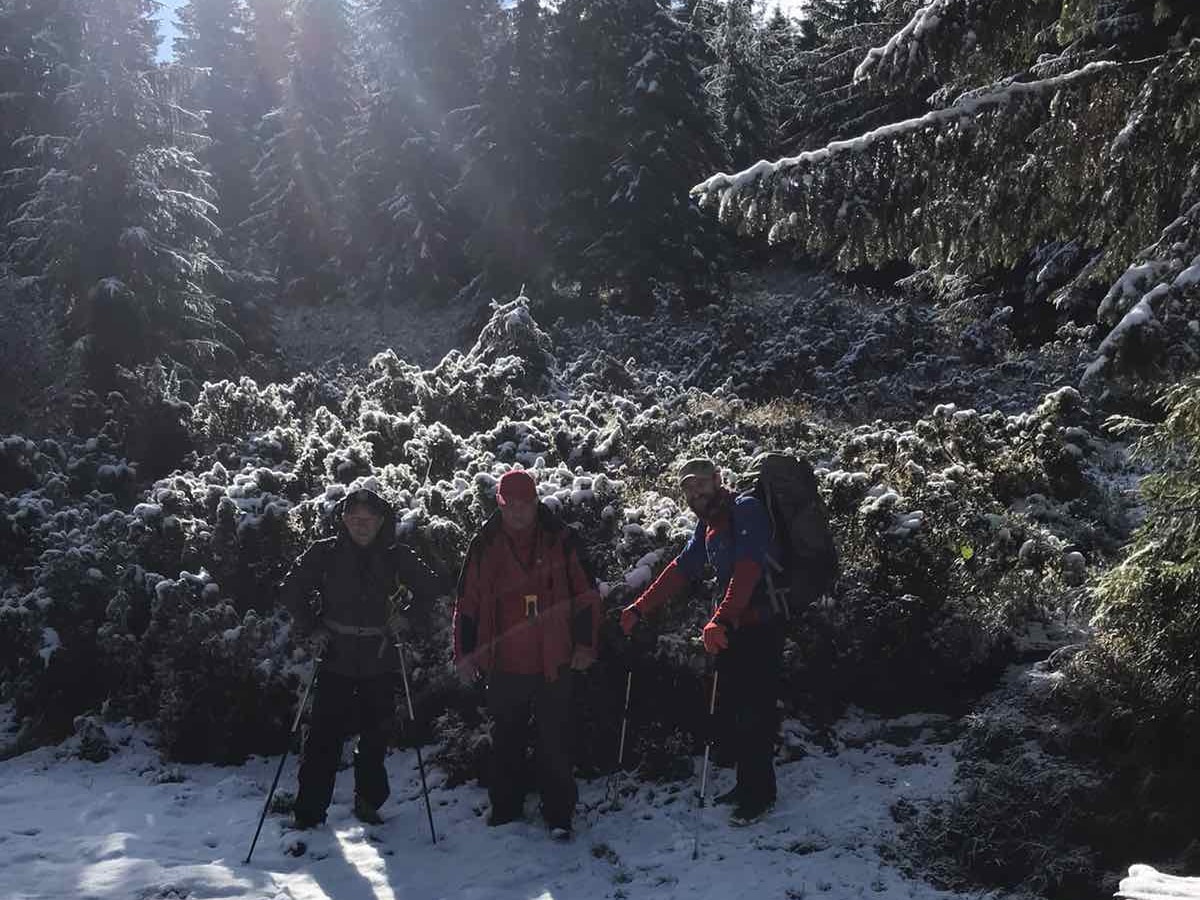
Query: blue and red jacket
(736,543)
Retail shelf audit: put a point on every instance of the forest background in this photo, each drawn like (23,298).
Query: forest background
(1000,393)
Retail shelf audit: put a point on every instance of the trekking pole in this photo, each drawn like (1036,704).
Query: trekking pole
(712,705)
(279,771)
(624,719)
(610,784)
(420,763)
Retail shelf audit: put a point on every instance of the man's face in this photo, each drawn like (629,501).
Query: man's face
(519,514)
(362,523)
(701,494)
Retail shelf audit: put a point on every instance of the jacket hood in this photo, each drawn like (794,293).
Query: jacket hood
(387,531)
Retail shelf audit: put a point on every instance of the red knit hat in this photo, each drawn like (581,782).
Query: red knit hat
(516,485)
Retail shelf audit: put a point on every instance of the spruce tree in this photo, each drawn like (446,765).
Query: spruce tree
(1018,153)
(419,60)
(831,16)
(783,42)
(215,40)
(504,150)
(589,50)
(652,235)
(296,212)
(119,226)
(739,87)
(826,100)
(39,49)
(270,36)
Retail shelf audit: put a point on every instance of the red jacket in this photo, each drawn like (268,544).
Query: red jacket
(494,624)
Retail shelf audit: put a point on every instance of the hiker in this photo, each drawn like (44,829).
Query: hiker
(364,580)
(528,613)
(733,535)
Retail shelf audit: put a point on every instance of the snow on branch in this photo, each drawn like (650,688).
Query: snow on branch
(1163,273)
(1145,883)
(907,40)
(966,106)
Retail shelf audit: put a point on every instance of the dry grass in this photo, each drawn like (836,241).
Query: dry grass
(779,414)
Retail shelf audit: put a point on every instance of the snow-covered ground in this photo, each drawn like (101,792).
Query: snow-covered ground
(133,827)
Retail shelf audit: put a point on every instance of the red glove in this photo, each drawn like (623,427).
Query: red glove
(630,616)
(715,639)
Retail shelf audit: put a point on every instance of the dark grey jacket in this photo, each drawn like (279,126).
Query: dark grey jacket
(352,591)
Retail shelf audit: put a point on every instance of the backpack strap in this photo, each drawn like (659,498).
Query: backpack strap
(778,596)
(475,549)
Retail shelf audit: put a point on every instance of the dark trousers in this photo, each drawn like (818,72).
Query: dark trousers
(341,706)
(511,698)
(747,691)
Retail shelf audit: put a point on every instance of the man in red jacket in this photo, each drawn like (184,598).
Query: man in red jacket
(733,535)
(527,614)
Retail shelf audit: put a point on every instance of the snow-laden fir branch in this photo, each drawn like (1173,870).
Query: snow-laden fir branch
(924,21)
(966,106)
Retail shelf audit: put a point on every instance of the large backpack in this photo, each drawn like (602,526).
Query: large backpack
(808,568)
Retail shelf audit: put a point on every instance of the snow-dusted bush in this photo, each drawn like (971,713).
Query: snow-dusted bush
(230,411)
(943,552)
(464,749)
(217,688)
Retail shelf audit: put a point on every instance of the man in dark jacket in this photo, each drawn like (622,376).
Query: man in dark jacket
(527,614)
(363,579)
(733,535)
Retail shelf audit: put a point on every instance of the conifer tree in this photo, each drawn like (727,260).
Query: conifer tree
(783,42)
(270,36)
(831,16)
(39,49)
(504,154)
(296,211)
(651,233)
(738,85)
(826,100)
(1019,152)
(119,226)
(590,46)
(215,40)
(420,60)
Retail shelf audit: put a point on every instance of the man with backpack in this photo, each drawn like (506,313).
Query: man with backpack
(527,615)
(363,580)
(733,535)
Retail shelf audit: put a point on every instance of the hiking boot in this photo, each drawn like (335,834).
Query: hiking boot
(748,811)
(731,796)
(498,817)
(366,813)
(560,833)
